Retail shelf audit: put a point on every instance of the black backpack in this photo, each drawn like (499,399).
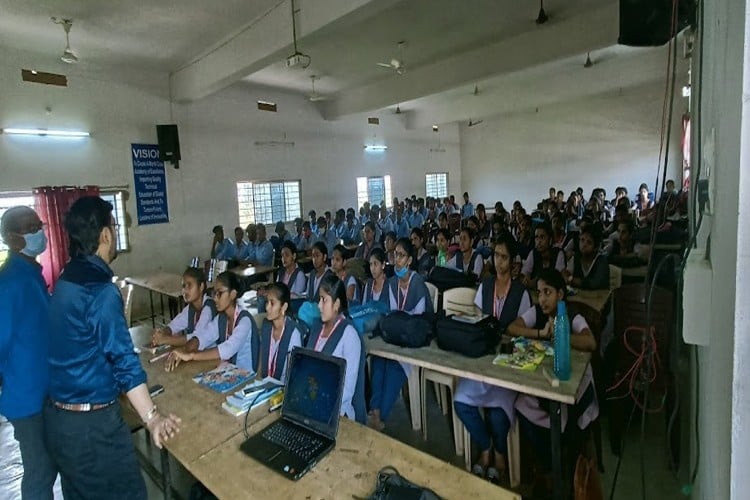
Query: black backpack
(470,339)
(404,330)
(445,278)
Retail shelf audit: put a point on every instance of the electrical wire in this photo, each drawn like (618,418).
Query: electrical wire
(249,409)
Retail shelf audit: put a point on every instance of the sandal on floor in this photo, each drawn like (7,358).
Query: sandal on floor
(498,477)
(478,470)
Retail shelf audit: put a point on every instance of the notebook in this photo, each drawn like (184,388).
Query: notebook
(224,378)
(309,421)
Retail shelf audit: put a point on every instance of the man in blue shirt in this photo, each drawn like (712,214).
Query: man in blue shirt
(468,209)
(24,304)
(219,245)
(237,249)
(92,362)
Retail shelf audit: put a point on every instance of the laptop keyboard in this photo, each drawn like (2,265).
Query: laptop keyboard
(301,443)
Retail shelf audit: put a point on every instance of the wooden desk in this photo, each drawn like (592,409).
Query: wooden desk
(596,299)
(349,471)
(482,369)
(253,271)
(163,283)
(634,272)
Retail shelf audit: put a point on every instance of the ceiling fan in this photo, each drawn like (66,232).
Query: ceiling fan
(68,55)
(396,65)
(314,96)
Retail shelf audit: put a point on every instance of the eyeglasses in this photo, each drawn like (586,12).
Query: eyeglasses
(218,293)
(400,255)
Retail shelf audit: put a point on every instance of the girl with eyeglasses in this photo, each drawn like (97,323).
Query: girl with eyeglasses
(233,330)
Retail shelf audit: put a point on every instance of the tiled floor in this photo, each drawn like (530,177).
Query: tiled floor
(661,483)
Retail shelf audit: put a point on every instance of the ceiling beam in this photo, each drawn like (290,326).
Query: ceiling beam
(266,40)
(561,81)
(558,38)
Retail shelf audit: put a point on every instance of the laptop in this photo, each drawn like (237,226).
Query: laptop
(309,421)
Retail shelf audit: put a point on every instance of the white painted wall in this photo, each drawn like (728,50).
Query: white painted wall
(606,140)
(217,136)
(724,399)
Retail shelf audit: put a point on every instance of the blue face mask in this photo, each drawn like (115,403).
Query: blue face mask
(36,243)
(400,272)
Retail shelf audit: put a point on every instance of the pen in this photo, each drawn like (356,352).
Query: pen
(160,356)
(274,408)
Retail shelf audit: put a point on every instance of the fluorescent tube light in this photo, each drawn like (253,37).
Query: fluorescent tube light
(45,132)
(376,149)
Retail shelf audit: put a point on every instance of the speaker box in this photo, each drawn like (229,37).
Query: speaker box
(648,23)
(169,143)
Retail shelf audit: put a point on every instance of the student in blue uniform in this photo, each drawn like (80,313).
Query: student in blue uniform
(263,248)
(376,287)
(338,337)
(505,299)
(390,246)
(233,330)
(238,250)
(544,256)
(195,317)
(251,232)
(278,335)
(538,322)
(406,292)
(326,235)
(424,261)
(219,245)
(338,266)
(368,242)
(588,269)
(290,273)
(400,225)
(306,238)
(467,210)
(320,270)
(466,259)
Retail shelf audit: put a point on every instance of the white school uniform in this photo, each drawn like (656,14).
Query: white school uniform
(180,322)
(529,407)
(238,342)
(349,348)
(528,264)
(294,341)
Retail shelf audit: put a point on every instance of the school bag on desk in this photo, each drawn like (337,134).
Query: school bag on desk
(445,278)
(472,339)
(367,316)
(393,486)
(405,330)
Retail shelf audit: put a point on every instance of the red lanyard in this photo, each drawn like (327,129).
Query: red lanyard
(274,355)
(402,304)
(234,325)
(496,301)
(318,347)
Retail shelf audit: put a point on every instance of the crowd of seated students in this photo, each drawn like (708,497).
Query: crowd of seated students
(563,242)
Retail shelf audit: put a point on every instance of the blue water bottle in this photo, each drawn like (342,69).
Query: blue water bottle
(562,343)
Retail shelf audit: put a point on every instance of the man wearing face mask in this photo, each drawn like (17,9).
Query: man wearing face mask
(24,375)
(92,361)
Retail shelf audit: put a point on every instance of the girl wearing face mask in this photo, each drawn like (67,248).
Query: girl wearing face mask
(195,317)
(406,292)
(320,270)
(538,322)
(290,274)
(375,288)
(466,259)
(338,265)
(278,334)
(588,269)
(338,337)
(505,299)
(233,330)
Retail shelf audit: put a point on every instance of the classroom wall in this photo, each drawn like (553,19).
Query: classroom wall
(724,365)
(606,140)
(217,135)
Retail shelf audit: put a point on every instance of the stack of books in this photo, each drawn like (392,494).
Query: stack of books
(251,396)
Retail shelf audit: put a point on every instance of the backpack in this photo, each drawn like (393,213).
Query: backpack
(473,340)
(366,317)
(393,486)
(445,278)
(404,330)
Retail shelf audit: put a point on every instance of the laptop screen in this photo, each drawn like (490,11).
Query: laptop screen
(312,397)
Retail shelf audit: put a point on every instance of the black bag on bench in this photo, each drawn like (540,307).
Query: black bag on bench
(473,340)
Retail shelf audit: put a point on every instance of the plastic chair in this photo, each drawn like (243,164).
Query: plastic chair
(514,453)
(126,291)
(615,277)
(433,295)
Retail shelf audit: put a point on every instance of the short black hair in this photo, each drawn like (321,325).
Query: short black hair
(289,245)
(84,223)
(197,274)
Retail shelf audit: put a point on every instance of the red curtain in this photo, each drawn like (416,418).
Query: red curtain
(51,204)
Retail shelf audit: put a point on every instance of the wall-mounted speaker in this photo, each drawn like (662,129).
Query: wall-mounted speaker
(648,23)
(169,144)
